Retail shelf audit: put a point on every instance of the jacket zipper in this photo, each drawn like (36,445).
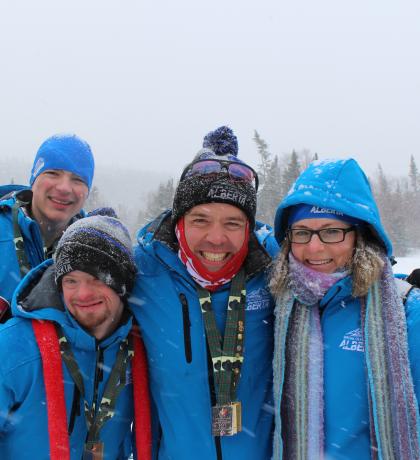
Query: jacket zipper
(187,327)
(217,440)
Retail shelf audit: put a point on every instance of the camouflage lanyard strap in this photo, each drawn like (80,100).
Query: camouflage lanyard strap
(227,361)
(24,265)
(95,419)
(22,258)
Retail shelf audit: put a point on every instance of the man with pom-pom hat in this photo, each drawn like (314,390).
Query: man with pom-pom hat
(205,312)
(33,219)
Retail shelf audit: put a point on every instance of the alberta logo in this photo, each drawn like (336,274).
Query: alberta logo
(353,341)
(259,299)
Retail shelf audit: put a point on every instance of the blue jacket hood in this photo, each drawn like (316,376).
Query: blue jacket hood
(333,184)
(44,299)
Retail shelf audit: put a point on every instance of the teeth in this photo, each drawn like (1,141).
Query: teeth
(213,256)
(319,262)
(60,201)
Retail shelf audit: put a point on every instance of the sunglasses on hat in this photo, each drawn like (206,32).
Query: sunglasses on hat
(236,171)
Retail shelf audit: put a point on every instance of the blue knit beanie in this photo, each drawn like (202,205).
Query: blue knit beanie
(67,152)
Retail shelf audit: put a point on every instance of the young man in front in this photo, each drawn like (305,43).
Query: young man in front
(206,314)
(32,220)
(69,358)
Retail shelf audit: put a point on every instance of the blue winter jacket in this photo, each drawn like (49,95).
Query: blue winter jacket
(165,303)
(23,415)
(33,243)
(342,185)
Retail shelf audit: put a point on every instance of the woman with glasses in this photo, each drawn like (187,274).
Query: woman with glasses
(347,350)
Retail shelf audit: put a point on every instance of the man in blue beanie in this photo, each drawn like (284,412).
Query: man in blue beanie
(32,220)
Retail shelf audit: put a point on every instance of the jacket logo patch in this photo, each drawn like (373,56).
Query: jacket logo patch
(39,165)
(259,299)
(353,341)
(318,210)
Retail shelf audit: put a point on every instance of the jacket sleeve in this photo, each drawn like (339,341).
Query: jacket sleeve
(413,331)
(6,403)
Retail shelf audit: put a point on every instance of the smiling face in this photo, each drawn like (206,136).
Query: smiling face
(93,304)
(324,257)
(57,196)
(215,232)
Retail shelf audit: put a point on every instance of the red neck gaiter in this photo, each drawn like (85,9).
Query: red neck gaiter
(208,279)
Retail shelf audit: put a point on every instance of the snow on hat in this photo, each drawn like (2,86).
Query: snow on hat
(67,152)
(221,144)
(308,211)
(101,246)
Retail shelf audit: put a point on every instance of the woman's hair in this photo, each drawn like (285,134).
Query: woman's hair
(365,266)
(367,263)
(280,270)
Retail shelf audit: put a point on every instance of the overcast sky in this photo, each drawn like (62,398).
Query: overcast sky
(143,81)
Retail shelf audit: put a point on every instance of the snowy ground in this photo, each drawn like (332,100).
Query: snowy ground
(407,264)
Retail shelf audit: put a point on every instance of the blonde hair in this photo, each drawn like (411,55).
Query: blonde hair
(366,264)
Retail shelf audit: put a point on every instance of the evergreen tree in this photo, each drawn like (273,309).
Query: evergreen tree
(414,175)
(396,225)
(290,172)
(306,158)
(270,195)
(265,157)
(160,200)
(412,204)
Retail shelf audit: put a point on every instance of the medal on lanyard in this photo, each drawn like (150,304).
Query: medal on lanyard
(227,356)
(226,419)
(93,451)
(95,420)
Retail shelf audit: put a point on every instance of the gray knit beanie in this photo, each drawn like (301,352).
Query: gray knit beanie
(101,246)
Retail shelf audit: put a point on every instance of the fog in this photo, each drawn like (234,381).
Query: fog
(143,81)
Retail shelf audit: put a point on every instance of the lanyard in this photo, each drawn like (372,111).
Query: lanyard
(95,419)
(22,258)
(23,261)
(226,353)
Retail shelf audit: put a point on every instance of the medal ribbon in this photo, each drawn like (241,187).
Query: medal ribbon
(24,265)
(95,419)
(226,354)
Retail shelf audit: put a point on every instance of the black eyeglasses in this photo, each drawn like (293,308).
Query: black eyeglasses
(326,235)
(236,171)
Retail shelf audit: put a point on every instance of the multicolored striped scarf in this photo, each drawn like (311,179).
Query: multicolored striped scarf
(298,373)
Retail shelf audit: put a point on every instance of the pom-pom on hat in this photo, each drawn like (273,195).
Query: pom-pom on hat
(67,152)
(216,187)
(101,246)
